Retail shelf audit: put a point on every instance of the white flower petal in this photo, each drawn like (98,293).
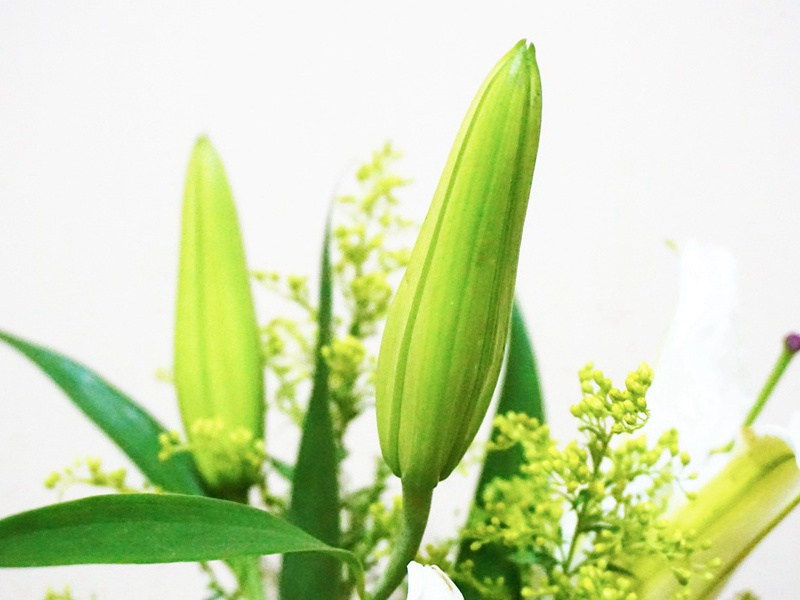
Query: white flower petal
(430,583)
(697,386)
(789,434)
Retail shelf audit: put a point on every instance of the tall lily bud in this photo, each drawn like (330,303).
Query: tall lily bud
(218,360)
(446,328)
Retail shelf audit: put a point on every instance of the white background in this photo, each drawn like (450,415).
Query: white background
(675,120)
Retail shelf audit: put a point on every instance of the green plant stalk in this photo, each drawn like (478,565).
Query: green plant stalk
(248,575)
(580,525)
(416,508)
(769,385)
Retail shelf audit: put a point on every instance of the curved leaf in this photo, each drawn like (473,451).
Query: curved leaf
(315,489)
(522,393)
(132,428)
(149,528)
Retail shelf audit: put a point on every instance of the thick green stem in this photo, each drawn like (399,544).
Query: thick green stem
(777,371)
(416,508)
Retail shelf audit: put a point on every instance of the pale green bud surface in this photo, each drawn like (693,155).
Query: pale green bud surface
(446,329)
(755,490)
(218,361)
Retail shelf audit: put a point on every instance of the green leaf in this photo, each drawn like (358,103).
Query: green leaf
(315,489)
(149,528)
(282,468)
(521,393)
(132,428)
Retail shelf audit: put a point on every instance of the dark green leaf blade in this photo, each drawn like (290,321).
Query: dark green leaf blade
(522,393)
(314,504)
(132,428)
(149,528)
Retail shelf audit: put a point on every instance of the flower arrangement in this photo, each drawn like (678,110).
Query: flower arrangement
(620,512)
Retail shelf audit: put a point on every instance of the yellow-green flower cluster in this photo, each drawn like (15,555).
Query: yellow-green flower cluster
(287,345)
(366,260)
(370,246)
(65,595)
(90,472)
(605,409)
(346,358)
(369,523)
(591,581)
(233,455)
(369,249)
(579,515)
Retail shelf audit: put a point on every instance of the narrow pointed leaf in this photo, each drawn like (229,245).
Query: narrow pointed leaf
(149,528)
(315,490)
(521,392)
(282,468)
(132,428)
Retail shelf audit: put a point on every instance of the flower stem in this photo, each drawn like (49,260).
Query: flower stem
(247,571)
(416,508)
(580,525)
(790,348)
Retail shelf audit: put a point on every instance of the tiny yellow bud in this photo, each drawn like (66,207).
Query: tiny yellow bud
(52,480)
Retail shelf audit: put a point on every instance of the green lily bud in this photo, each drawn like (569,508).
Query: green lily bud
(447,326)
(218,360)
(729,515)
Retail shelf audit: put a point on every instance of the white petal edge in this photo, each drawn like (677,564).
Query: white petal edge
(789,434)
(430,583)
(697,386)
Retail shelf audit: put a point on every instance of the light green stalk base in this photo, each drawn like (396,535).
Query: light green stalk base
(777,371)
(416,508)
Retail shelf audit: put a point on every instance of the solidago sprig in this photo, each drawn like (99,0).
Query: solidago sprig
(579,515)
(90,472)
(369,249)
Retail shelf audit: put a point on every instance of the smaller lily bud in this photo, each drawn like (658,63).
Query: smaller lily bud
(218,361)
(446,328)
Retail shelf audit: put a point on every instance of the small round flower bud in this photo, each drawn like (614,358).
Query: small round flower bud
(792,342)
